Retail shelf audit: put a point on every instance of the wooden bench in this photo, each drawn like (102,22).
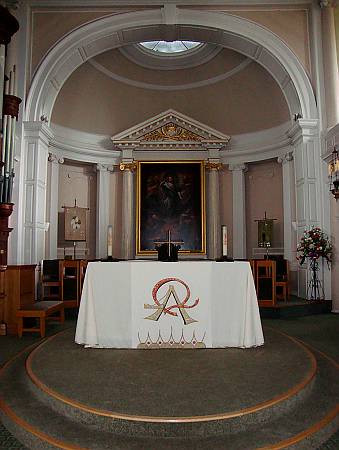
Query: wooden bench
(41,310)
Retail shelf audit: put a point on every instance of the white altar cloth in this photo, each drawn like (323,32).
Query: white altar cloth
(149,304)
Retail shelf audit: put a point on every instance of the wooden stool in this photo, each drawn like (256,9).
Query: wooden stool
(41,310)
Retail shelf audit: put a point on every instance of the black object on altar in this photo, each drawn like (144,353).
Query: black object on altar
(168,250)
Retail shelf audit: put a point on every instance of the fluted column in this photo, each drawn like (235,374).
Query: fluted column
(330,62)
(312,197)
(213,209)
(288,205)
(128,235)
(239,210)
(37,139)
(52,236)
(102,219)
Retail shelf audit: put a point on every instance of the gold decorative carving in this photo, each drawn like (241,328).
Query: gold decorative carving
(128,166)
(213,165)
(171,132)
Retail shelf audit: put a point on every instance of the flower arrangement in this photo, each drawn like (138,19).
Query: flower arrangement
(314,244)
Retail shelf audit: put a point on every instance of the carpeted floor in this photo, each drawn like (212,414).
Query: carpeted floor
(319,331)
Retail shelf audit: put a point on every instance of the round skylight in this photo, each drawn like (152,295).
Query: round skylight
(170,47)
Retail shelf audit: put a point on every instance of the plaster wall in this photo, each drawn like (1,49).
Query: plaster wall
(246,102)
(77,181)
(264,192)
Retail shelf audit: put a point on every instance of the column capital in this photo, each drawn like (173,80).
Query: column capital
(287,157)
(303,131)
(238,167)
(213,165)
(327,4)
(128,166)
(104,167)
(38,130)
(53,158)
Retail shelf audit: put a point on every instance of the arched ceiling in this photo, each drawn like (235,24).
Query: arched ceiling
(171,23)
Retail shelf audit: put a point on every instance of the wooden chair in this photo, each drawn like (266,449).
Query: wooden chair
(282,279)
(82,272)
(266,282)
(253,269)
(50,279)
(69,270)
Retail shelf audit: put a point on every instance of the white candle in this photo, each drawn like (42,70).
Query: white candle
(109,241)
(224,240)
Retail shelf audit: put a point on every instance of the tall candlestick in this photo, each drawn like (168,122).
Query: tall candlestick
(224,240)
(109,241)
(169,243)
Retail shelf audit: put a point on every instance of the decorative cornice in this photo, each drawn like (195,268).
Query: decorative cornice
(38,130)
(303,131)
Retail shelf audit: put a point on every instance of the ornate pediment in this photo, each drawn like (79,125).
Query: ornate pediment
(170,131)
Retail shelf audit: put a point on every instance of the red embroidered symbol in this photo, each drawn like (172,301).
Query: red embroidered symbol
(182,306)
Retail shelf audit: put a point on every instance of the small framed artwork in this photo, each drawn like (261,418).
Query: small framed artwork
(171,197)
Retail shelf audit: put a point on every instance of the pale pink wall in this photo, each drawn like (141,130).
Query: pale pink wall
(78,181)
(291,25)
(335,256)
(264,192)
(249,101)
(226,205)
(49,25)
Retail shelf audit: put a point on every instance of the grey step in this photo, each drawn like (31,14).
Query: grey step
(301,416)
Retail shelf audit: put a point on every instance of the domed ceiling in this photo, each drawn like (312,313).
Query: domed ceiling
(217,86)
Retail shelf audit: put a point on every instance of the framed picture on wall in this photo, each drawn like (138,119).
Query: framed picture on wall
(75,223)
(171,197)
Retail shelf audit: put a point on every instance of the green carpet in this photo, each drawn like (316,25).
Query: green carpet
(319,331)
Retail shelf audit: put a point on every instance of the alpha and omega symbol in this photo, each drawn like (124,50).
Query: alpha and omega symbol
(160,305)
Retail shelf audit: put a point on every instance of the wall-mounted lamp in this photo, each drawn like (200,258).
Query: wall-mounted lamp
(333,170)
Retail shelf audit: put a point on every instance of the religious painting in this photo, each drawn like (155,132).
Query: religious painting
(75,224)
(171,198)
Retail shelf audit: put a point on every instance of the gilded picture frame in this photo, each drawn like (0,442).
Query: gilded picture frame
(171,196)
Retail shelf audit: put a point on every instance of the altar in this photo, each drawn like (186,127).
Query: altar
(186,304)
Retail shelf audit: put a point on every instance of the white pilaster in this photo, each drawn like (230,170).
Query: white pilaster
(36,141)
(312,198)
(102,219)
(213,210)
(128,236)
(239,210)
(52,241)
(288,205)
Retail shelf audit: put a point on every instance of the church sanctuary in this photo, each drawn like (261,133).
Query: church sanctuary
(169,224)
